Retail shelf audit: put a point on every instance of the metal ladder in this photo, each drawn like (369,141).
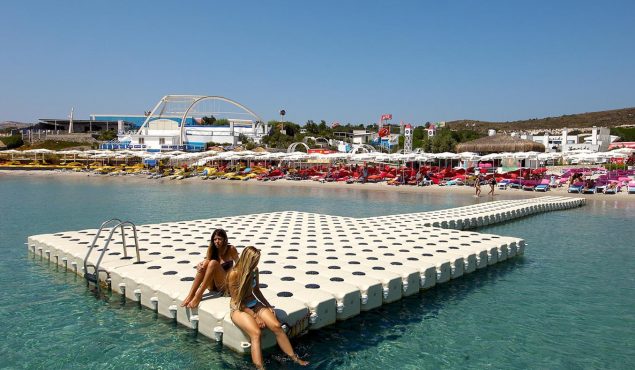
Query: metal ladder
(94,276)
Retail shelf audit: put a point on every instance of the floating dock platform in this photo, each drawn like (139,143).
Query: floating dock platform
(315,269)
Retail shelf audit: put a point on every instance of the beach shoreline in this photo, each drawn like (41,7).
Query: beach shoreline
(463,191)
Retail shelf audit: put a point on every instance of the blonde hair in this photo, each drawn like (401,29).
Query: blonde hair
(244,268)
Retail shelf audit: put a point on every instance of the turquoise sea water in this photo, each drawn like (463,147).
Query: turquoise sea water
(567,304)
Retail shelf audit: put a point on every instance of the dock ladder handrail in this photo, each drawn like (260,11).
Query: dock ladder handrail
(94,277)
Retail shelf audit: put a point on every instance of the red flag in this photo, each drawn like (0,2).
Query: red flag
(385,117)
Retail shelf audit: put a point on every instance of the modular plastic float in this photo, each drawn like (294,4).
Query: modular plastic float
(315,269)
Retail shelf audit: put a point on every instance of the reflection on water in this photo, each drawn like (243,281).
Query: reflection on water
(566,304)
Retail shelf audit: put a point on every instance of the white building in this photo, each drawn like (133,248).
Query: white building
(597,141)
(165,134)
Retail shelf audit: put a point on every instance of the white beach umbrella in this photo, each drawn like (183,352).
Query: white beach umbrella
(490,157)
(469,156)
(628,151)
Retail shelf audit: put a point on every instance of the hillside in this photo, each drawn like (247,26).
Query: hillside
(609,118)
(14,125)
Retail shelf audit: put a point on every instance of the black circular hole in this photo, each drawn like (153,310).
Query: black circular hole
(353,262)
(338,279)
(287,278)
(359,273)
(312,286)
(154,267)
(265,272)
(285,294)
(312,273)
(290,267)
(378,268)
(189,278)
(396,263)
(169,273)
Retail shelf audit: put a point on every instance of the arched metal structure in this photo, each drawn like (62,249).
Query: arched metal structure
(159,110)
(292,147)
(362,148)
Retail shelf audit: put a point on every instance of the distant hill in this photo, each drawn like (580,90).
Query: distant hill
(14,124)
(609,118)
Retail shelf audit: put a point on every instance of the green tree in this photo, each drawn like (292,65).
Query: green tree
(107,135)
(243,138)
(14,141)
(208,121)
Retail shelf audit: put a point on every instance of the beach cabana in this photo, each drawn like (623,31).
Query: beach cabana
(499,143)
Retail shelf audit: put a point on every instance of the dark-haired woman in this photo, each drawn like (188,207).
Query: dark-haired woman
(212,271)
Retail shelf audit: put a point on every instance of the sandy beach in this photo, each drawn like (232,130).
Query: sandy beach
(382,186)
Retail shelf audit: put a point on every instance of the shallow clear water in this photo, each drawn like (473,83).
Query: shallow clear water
(568,303)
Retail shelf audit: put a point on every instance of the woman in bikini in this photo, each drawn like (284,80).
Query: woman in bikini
(211,273)
(251,311)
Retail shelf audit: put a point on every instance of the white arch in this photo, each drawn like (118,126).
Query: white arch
(362,148)
(195,100)
(292,147)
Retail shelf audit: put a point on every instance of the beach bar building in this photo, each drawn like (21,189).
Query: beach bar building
(190,123)
(499,144)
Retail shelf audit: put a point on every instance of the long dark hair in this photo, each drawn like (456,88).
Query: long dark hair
(212,251)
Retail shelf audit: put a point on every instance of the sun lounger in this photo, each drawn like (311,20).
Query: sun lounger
(515,184)
(575,188)
(612,189)
(544,185)
(530,185)
(502,185)
(631,187)
(589,190)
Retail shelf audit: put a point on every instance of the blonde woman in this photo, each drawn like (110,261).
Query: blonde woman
(211,273)
(251,311)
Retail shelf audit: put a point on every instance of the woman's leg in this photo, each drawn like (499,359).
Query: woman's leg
(212,268)
(248,324)
(195,284)
(272,323)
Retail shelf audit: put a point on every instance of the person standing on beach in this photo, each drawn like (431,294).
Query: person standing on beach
(492,185)
(212,271)
(477,186)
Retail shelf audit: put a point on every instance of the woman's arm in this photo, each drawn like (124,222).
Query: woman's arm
(234,254)
(258,294)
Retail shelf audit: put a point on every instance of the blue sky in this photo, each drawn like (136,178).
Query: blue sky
(346,61)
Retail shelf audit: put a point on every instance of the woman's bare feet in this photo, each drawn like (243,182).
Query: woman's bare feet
(194,302)
(298,360)
(186,301)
